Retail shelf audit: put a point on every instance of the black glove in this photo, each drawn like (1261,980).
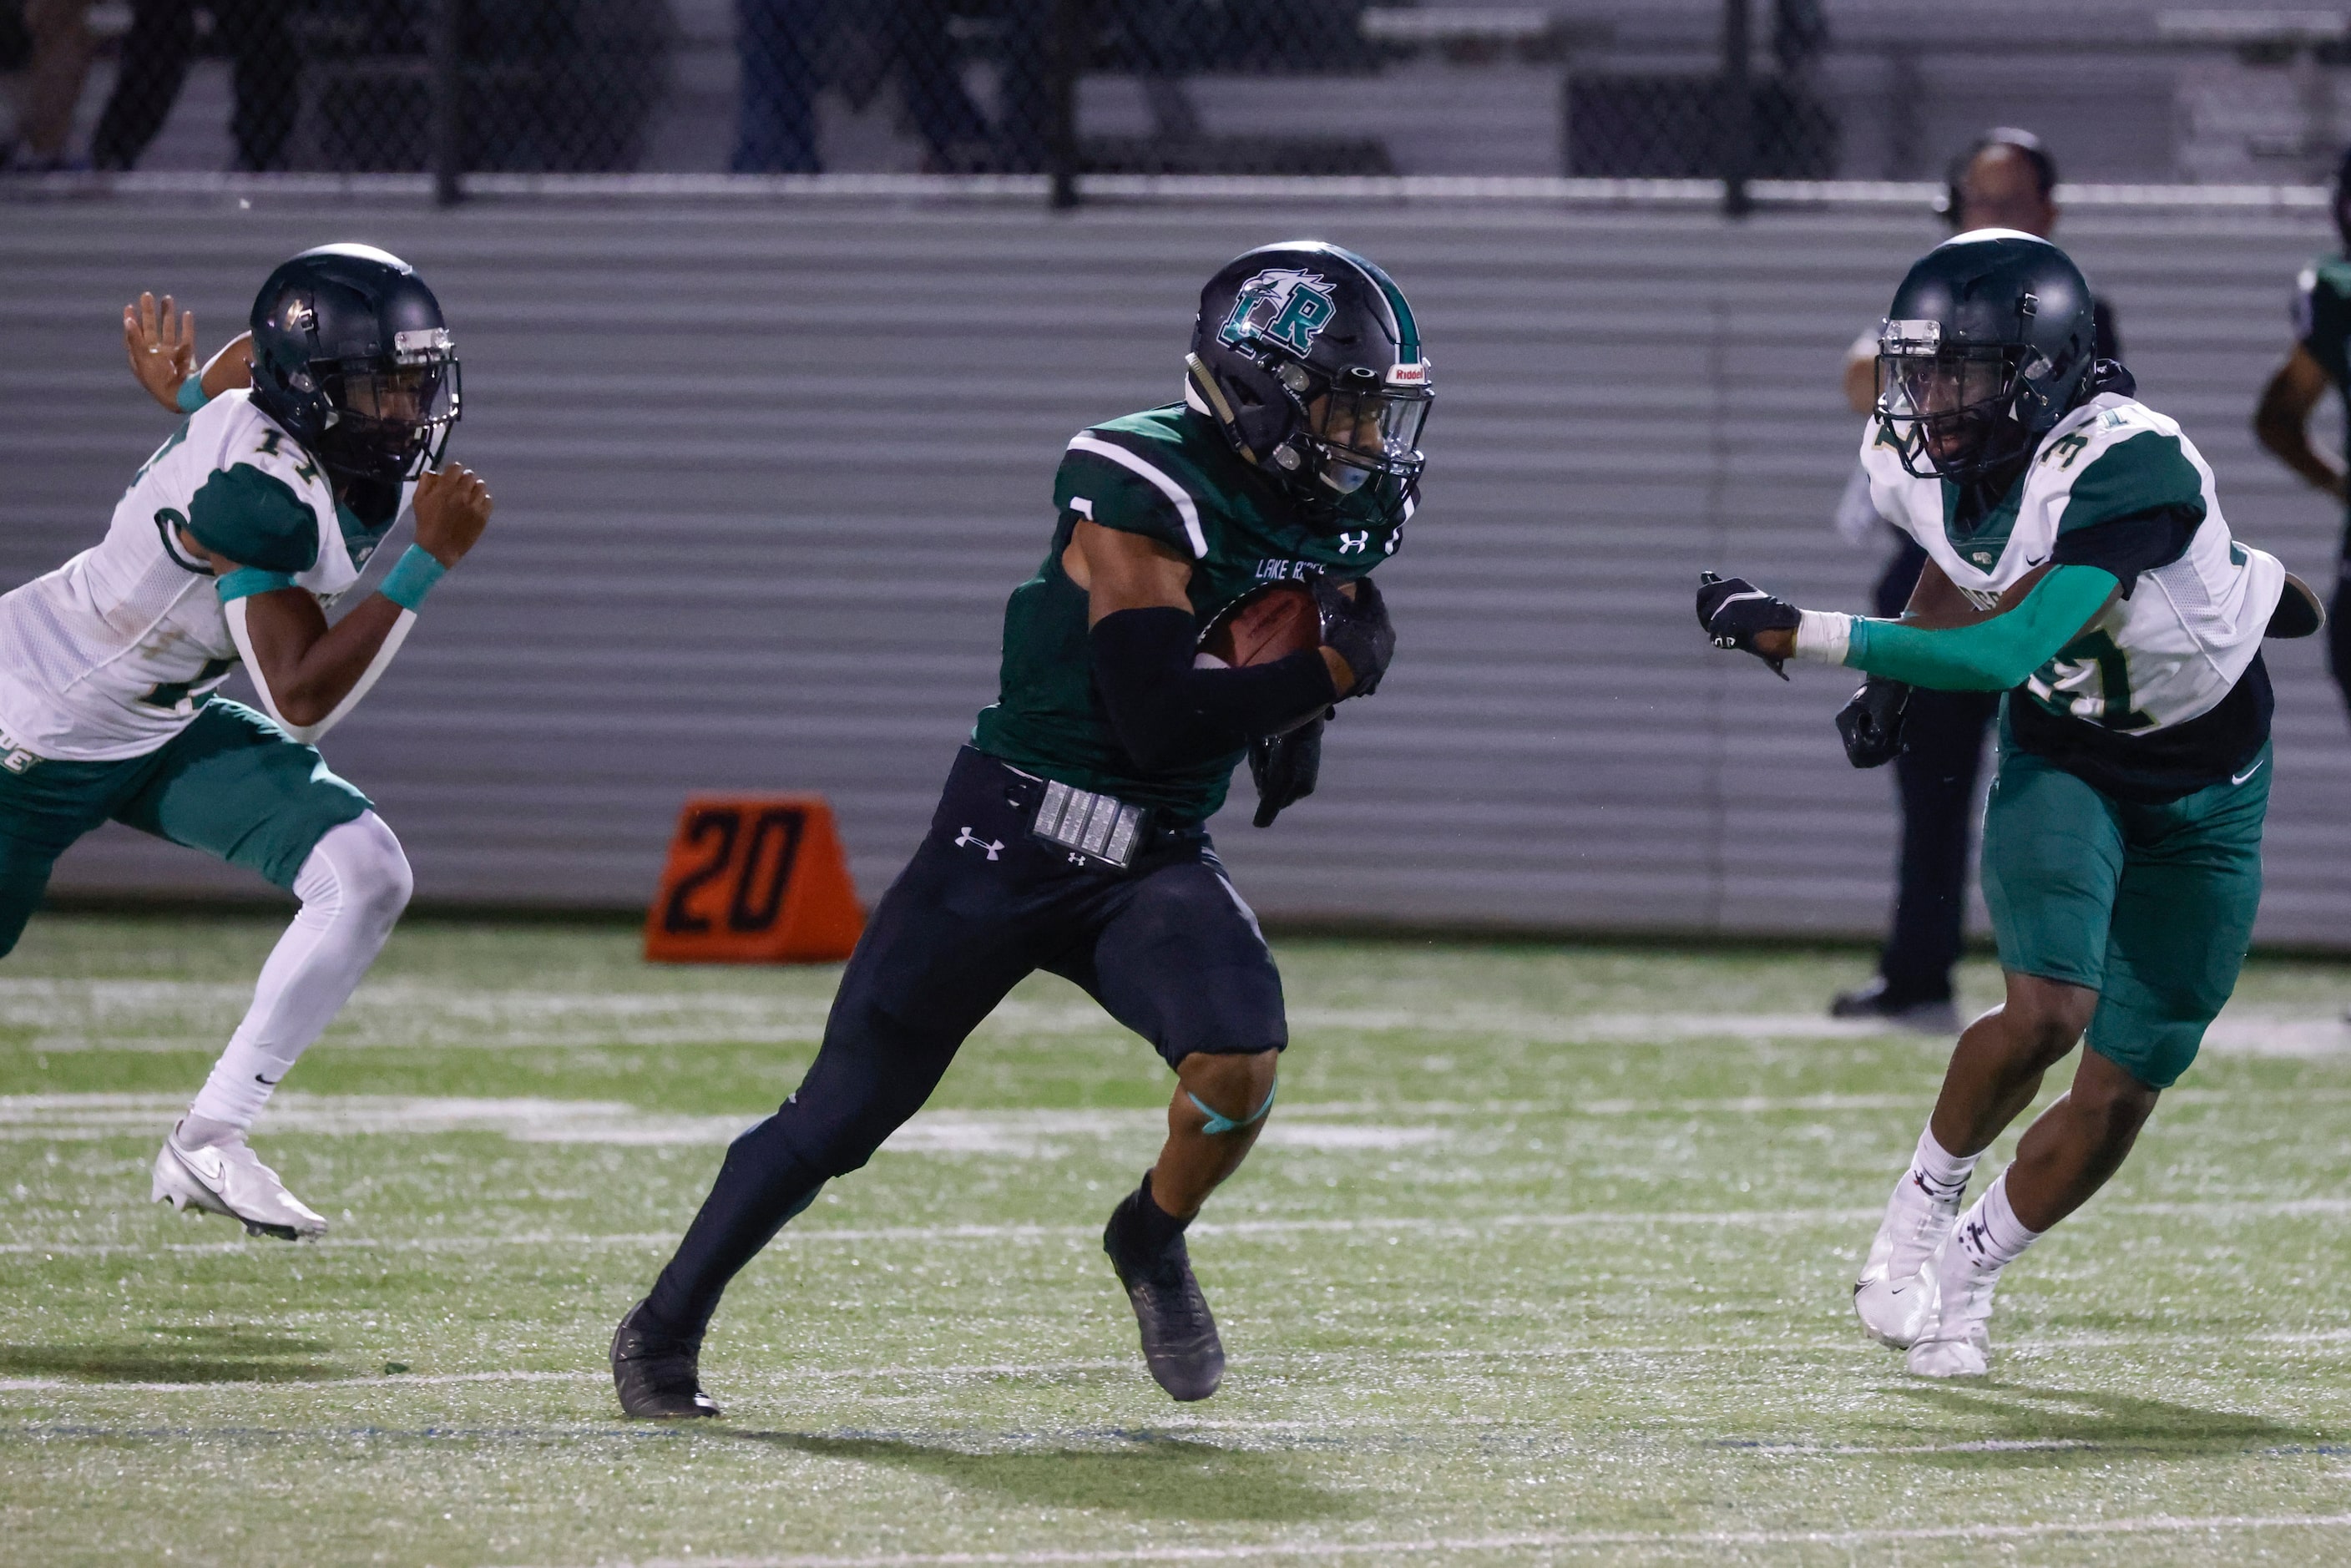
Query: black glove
(1284,767)
(1732,611)
(1872,723)
(1357,629)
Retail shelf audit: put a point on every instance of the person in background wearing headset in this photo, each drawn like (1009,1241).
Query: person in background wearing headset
(2005,180)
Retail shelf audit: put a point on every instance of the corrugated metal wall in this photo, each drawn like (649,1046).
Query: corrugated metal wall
(766,473)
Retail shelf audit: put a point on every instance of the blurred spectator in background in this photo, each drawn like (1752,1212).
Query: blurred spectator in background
(57,44)
(156,53)
(2006,180)
(2322,330)
(792,50)
(778,42)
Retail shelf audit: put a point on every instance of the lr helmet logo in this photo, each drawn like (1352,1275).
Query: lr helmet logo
(1286,304)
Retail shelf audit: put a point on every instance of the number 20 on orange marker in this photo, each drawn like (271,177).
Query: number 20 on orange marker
(754,879)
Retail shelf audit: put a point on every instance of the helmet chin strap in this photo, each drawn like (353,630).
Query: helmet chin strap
(1292,459)
(1203,395)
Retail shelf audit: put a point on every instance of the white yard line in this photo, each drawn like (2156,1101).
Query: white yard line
(405,1010)
(86,1385)
(173,1015)
(2220,1211)
(817,1235)
(1841,1346)
(1533,1540)
(1017,1133)
(1898,1450)
(339,1244)
(1342,1128)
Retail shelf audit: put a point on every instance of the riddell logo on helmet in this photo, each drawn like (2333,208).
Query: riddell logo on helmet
(1289,305)
(1412,375)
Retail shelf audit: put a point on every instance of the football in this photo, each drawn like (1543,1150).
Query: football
(1264,624)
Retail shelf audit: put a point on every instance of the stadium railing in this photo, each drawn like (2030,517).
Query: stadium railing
(1737,102)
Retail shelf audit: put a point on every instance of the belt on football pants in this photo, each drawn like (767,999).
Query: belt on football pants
(1102,828)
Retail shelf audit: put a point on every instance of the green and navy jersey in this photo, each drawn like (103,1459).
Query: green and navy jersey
(114,653)
(2322,320)
(2197,601)
(1168,473)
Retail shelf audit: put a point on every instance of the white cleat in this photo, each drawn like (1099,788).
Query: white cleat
(1959,1342)
(229,1179)
(1895,1297)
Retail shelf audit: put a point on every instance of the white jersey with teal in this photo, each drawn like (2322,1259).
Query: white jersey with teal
(2186,631)
(114,653)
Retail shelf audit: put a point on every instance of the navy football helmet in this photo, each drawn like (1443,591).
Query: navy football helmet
(1992,339)
(1308,358)
(352,355)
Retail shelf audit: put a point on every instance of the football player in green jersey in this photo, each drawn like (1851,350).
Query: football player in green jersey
(2320,358)
(2079,564)
(1071,836)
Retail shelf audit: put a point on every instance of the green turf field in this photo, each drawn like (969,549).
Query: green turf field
(1545,1260)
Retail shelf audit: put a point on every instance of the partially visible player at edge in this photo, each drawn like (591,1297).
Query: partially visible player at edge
(2077,561)
(1071,836)
(2320,358)
(304,441)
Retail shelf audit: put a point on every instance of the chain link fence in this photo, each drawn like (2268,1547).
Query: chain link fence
(1612,89)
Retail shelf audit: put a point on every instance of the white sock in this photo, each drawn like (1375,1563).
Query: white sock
(1990,1233)
(1937,1171)
(353,887)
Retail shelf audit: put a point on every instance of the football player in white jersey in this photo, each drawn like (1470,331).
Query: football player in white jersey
(228,548)
(2077,561)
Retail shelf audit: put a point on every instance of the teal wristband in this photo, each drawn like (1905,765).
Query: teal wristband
(411,577)
(247,580)
(191,395)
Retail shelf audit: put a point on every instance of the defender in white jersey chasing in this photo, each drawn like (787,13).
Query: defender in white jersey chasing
(2078,561)
(303,444)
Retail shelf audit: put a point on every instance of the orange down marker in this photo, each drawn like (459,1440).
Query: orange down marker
(754,879)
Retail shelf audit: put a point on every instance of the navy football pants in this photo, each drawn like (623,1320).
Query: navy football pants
(1167,947)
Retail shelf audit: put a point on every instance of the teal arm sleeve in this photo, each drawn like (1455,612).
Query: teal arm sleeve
(1991,655)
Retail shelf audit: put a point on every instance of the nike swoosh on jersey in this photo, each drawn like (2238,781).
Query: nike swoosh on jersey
(2248,773)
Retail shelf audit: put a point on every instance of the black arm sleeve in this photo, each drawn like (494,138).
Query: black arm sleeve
(2129,546)
(1169,714)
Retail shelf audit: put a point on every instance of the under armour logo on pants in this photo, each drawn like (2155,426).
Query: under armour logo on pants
(991,846)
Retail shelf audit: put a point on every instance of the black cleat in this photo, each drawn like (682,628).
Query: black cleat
(1179,1334)
(656,1382)
(1928,1015)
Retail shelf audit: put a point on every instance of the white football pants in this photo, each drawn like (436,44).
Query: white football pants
(353,887)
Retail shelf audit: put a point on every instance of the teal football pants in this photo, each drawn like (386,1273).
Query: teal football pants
(232,784)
